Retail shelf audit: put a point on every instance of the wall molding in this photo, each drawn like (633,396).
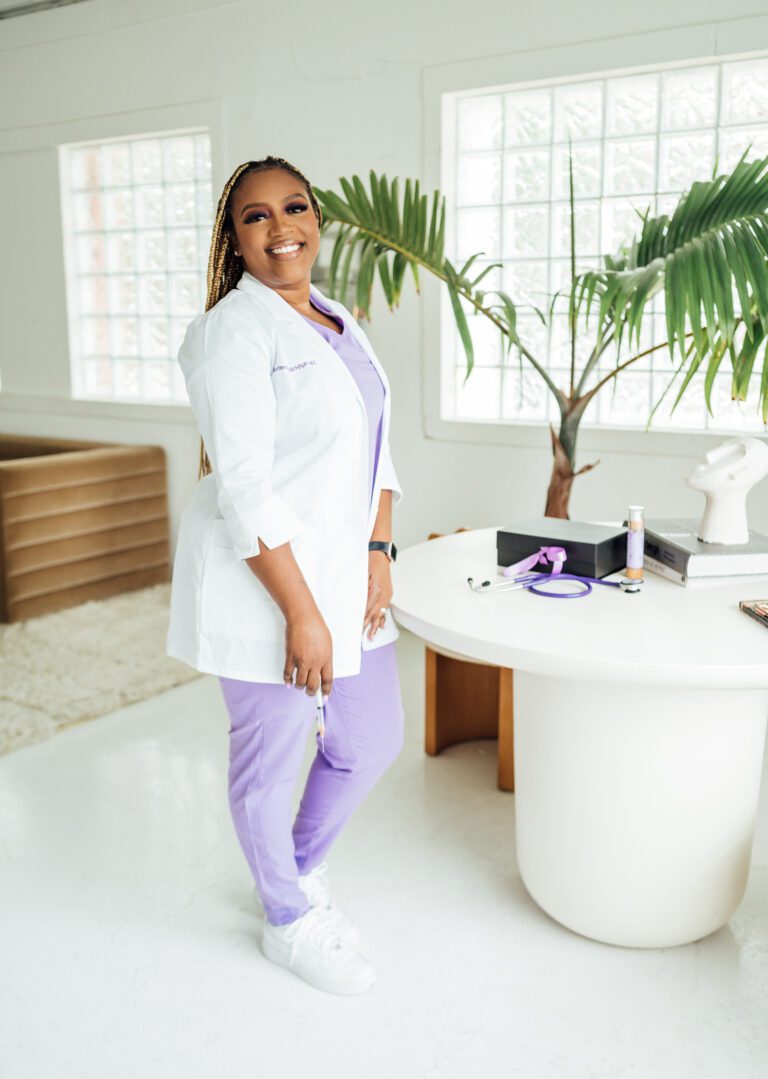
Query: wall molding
(606,440)
(89,408)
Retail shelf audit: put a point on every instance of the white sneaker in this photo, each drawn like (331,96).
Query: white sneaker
(310,949)
(318,891)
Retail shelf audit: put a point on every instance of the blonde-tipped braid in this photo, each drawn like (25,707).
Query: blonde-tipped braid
(224,266)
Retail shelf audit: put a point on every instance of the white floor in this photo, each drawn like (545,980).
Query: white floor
(129,945)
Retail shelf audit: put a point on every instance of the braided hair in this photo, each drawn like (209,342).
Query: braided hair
(224,266)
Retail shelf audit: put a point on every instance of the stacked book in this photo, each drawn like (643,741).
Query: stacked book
(673,550)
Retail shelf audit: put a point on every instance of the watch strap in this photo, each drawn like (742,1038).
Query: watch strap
(387,547)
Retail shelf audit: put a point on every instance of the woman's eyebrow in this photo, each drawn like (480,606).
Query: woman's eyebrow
(250,205)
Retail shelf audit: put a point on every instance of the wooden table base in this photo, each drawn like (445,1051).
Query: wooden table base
(466,701)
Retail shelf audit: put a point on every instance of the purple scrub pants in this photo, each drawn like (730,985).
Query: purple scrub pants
(269,724)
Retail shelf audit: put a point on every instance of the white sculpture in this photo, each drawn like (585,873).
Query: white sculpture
(725,477)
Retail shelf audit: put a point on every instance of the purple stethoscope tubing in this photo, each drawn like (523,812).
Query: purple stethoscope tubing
(544,578)
(556,556)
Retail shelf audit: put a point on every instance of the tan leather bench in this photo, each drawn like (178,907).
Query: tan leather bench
(79,521)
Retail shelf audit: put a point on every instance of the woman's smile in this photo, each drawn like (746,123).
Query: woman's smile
(285,252)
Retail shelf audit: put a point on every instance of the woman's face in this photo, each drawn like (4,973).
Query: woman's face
(272,209)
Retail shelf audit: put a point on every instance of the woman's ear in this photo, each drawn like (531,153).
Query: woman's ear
(233,241)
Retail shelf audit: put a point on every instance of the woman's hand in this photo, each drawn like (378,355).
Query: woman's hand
(379,591)
(309,648)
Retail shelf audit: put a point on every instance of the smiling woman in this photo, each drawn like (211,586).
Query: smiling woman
(286,247)
(273,573)
(263,222)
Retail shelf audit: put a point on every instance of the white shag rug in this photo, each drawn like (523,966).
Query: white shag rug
(84,662)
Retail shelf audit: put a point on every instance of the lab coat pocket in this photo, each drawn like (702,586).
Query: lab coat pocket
(233,601)
(220,536)
(384,635)
(302,545)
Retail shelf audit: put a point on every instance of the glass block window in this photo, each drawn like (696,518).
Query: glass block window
(639,140)
(137,215)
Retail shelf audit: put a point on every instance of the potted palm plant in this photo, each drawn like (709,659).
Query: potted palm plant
(709,256)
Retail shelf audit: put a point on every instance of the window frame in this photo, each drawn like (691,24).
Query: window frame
(74,273)
(706,43)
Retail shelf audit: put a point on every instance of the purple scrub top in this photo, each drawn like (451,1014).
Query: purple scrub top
(366,376)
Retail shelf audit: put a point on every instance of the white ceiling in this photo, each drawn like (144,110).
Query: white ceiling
(32,4)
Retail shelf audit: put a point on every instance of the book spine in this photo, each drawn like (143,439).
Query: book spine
(663,570)
(666,554)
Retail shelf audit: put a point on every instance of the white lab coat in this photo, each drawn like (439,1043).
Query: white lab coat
(286,431)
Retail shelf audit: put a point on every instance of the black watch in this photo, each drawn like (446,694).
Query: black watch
(388,548)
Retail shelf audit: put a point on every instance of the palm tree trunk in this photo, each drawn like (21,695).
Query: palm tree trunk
(564,454)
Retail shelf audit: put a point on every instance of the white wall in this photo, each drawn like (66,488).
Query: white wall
(337,89)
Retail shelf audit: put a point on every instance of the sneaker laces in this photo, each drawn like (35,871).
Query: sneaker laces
(315,886)
(315,930)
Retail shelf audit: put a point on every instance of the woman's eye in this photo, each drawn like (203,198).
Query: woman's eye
(259,213)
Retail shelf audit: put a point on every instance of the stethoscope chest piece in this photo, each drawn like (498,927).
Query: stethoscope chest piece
(628,584)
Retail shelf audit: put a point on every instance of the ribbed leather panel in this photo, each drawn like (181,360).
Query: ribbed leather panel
(79,521)
(59,501)
(110,586)
(37,531)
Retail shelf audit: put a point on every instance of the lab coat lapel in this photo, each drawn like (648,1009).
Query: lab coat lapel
(361,339)
(309,338)
(296,325)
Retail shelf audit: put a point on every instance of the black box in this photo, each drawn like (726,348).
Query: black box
(592,550)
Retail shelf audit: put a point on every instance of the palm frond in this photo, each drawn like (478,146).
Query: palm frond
(390,234)
(710,258)
(383,234)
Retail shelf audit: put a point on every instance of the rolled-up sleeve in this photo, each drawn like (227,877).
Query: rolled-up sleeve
(389,480)
(226,362)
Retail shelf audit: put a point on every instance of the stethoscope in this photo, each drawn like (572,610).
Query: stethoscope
(557,556)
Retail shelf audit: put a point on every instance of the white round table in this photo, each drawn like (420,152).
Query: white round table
(639,728)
